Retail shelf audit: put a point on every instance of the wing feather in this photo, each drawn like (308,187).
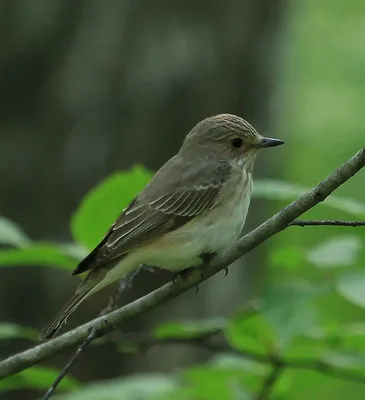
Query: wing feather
(149,216)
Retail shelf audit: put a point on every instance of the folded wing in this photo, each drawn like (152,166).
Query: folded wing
(152,214)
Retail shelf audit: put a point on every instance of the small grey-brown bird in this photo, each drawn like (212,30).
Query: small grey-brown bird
(194,207)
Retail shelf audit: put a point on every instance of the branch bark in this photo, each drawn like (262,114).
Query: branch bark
(107,323)
(326,222)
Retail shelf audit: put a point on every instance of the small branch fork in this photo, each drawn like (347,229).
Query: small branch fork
(93,334)
(106,323)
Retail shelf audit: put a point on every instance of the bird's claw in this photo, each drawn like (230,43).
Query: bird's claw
(225,269)
(184,274)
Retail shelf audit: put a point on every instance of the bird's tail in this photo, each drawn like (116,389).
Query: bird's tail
(61,317)
(91,284)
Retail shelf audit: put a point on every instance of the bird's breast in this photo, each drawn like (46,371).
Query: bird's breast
(224,224)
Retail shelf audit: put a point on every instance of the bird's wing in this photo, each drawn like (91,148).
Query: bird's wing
(149,216)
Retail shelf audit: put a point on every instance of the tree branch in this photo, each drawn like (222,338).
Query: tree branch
(326,222)
(106,323)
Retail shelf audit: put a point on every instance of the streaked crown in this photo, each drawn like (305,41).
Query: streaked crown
(227,135)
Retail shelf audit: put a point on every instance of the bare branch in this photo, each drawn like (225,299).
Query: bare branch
(106,323)
(70,364)
(326,222)
(112,304)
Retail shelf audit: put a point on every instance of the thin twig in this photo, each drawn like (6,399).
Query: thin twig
(107,323)
(269,382)
(112,304)
(70,364)
(326,222)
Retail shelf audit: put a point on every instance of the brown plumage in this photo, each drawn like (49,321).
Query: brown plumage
(173,219)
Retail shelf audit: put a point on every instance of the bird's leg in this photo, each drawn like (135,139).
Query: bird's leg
(126,282)
(207,257)
(184,274)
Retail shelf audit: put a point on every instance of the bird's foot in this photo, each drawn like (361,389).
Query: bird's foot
(207,257)
(225,269)
(186,273)
(183,274)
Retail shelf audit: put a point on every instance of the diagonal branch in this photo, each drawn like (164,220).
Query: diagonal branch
(106,323)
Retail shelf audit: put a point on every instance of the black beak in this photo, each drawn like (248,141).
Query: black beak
(270,142)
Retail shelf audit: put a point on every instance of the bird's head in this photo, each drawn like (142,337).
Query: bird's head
(226,136)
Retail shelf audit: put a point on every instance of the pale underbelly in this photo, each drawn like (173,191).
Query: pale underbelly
(182,248)
(214,232)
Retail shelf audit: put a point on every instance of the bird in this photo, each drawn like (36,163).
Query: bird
(193,209)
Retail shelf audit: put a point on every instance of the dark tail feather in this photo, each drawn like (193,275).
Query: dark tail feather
(71,306)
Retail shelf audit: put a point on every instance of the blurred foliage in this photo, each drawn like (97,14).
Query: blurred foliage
(103,204)
(320,107)
(289,323)
(36,378)
(60,62)
(13,331)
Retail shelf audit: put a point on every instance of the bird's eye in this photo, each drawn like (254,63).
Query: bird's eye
(236,143)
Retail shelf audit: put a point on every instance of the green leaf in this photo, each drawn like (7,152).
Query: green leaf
(36,378)
(287,257)
(189,330)
(38,254)
(288,310)
(13,331)
(102,205)
(221,382)
(339,251)
(131,388)
(352,337)
(75,251)
(346,360)
(251,334)
(12,234)
(226,361)
(281,190)
(305,347)
(351,286)
(348,337)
